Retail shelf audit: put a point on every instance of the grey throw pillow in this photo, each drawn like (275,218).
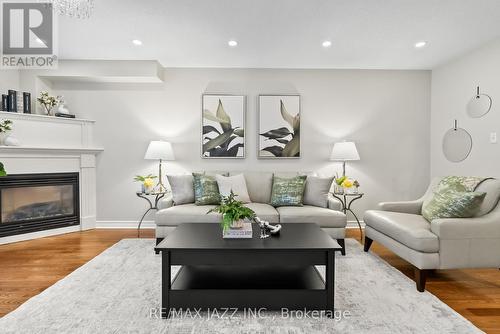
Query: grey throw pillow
(317,190)
(182,188)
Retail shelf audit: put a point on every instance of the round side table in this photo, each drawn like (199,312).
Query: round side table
(152,199)
(346,200)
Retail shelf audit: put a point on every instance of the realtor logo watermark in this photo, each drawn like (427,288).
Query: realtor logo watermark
(28,31)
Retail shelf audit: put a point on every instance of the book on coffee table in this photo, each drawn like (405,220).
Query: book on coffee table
(241,233)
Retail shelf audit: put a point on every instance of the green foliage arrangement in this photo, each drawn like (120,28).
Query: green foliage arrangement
(5,125)
(232,210)
(289,139)
(219,146)
(141,178)
(2,170)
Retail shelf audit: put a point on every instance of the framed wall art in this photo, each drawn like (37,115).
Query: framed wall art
(223,126)
(279,126)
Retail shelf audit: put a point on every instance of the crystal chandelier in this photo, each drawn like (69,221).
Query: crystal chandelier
(81,9)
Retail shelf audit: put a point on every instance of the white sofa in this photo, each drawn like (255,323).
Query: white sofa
(450,243)
(259,185)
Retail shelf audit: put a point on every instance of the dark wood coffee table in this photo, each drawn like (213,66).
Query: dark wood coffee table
(274,273)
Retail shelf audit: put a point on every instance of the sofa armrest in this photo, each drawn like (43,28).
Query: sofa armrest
(333,203)
(165,203)
(413,207)
(485,227)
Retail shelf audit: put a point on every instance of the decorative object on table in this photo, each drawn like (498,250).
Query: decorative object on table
(5,128)
(339,180)
(20,103)
(346,200)
(349,185)
(3,172)
(223,126)
(159,150)
(206,190)
(288,191)
(245,232)
(11,141)
(233,212)
(5,102)
(479,105)
(153,205)
(47,102)
(236,184)
(344,151)
(12,106)
(147,183)
(457,144)
(26,103)
(279,126)
(262,227)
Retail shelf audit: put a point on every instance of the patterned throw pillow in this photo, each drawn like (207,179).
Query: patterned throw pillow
(452,202)
(206,191)
(288,191)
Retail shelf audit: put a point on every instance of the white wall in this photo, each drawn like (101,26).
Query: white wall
(387,113)
(9,79)
(453,85)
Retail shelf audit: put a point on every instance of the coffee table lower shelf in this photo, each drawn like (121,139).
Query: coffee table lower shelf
(244,287)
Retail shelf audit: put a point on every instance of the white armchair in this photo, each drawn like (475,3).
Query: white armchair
(443,243)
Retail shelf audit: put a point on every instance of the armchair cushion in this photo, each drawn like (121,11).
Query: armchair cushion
(450,203)
(411,230)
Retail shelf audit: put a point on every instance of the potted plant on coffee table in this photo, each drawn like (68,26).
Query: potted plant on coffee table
(233,212)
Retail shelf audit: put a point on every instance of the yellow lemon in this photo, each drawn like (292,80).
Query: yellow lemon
(347,184)
(148,182)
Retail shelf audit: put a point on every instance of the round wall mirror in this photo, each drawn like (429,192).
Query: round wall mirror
(457,144)
(479,105)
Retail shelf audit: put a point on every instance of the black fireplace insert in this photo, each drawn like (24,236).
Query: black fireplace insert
(37,202)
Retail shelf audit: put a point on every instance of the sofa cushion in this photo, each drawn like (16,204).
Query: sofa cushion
(236,184)
(265,212)
(259,185)
(411,230)
(492,189)
(288,191)
(187,213)
(317,190)
(206,190)
(312,214)
(182,188)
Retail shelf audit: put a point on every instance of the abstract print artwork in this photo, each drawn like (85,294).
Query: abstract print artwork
(223,126)
(279,126)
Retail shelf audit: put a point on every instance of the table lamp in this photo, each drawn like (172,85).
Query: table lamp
(344,151)
(159,150)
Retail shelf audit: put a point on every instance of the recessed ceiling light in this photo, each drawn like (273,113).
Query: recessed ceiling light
(420,44)
(326,44)
(137,42)
(232,43)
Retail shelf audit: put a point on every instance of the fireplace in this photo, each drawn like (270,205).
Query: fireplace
(37,202)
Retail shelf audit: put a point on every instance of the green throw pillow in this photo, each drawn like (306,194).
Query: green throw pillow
(206,190)
(451,202)
(288,191)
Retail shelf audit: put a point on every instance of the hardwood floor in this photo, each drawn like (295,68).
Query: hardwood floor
(29,267)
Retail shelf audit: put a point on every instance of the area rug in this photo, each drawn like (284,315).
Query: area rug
(119,292)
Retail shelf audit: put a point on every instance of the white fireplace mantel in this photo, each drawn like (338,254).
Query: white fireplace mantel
(54,145)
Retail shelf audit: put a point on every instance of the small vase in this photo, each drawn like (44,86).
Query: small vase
(147,189)
(48,110)
(3,136)
(237,224)
(339,189)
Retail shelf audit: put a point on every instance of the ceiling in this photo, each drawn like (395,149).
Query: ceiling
(378,34)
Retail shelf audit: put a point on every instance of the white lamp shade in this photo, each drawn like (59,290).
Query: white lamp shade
(344,151)
(159,149)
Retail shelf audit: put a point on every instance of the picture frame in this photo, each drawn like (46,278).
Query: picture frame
(223,126)
(279,126)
